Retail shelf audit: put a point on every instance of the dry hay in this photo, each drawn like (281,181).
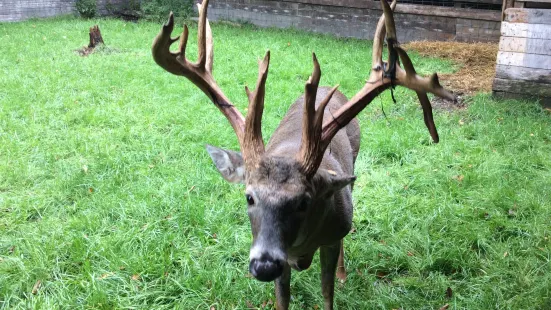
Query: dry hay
(476,63)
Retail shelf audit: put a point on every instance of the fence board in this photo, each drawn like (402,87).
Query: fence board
(528,16)
(524,60)
(522,87)
(522,73)
(534,31)
(525,45)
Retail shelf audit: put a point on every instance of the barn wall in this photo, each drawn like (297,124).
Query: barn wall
(523,67)
(15,10)
(357,18)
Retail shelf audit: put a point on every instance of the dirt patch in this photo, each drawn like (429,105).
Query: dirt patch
(85,51)
(100,49)
(447,105)
(476,63)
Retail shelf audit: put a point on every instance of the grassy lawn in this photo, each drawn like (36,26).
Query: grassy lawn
(108,199)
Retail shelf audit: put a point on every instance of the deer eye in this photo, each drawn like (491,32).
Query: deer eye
(250,200)
(303,206)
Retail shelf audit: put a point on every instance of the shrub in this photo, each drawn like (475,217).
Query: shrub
(86,8)
(158,9)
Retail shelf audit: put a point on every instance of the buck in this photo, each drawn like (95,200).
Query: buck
(299,187)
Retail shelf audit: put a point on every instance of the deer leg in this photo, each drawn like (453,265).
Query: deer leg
(329,256)
(283,289)
(341,271)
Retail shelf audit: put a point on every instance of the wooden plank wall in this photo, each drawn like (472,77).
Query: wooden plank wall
(523,67)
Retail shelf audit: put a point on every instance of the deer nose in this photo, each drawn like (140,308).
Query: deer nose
(266,268)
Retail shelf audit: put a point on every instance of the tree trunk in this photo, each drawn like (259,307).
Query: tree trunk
(95,37)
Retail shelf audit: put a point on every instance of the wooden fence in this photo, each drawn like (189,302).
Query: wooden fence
(523,66)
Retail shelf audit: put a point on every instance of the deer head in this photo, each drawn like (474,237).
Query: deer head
(284,191)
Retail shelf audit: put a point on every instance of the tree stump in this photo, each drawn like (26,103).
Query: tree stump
(95,37)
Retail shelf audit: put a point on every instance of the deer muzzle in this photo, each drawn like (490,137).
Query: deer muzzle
(266,268)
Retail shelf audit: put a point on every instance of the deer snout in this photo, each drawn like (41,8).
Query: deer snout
(266,268)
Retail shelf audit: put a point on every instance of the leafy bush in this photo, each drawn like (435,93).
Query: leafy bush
(158,9)
(86,8)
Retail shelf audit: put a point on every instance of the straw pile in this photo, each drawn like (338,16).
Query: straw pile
(476,63)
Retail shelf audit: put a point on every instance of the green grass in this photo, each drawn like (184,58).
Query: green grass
(108,197)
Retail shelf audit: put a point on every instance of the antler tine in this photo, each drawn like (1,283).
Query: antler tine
(199,73)
(391,40)
(409,78)
(377,55)
(253,145)
(311,150)
(204,38)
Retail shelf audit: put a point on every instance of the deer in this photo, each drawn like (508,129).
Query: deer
(298,187)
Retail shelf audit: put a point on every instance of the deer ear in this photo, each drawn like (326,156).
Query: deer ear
(229,164)
(327,182)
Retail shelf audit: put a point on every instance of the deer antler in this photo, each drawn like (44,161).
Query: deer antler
(200,73)
(312,149)
(253,145)
(312,121)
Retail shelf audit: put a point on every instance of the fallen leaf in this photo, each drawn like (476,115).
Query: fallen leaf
(36,287)
(449,292)
(459,178)
(250,305)
(105,276)
(381,274)
(135,277)
(444,307)
(288,43)
(410,254)
(316,307)
(90,190)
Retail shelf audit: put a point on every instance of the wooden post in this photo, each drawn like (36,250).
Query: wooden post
(506,4)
